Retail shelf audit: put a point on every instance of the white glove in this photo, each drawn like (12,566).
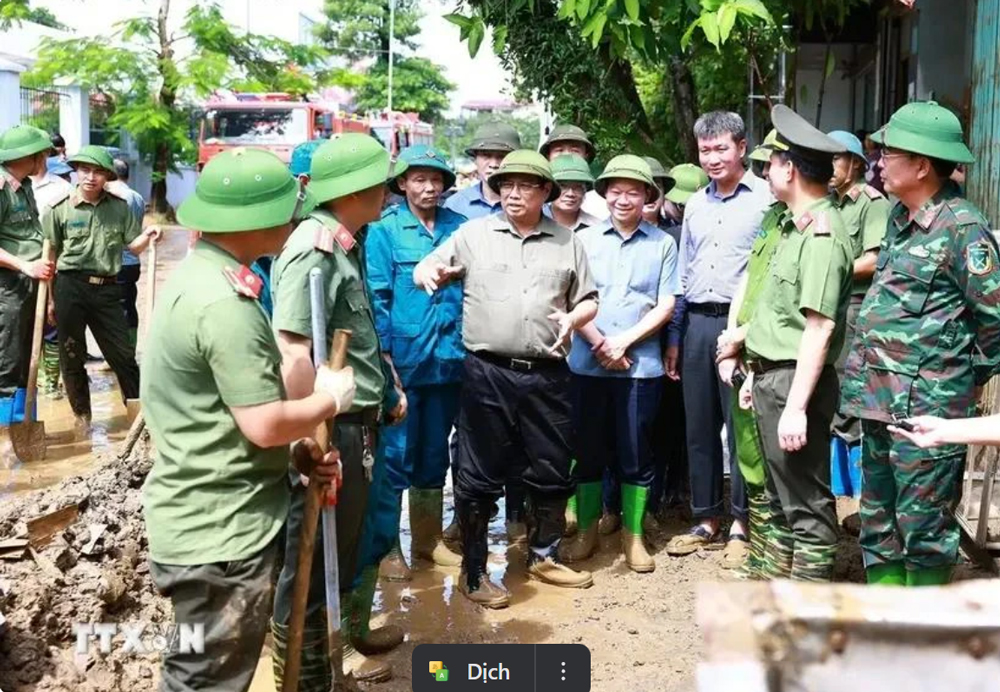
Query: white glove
(338,385)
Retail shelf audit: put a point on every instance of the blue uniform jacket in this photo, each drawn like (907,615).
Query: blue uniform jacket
(422,333)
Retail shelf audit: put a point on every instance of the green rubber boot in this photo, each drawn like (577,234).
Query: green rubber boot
(425,528)
(634,499)
(571,518)
(394,567)
(931,576)
(588,505)
(370,641)
(886,574)
(315,673)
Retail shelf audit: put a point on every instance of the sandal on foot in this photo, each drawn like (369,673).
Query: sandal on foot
(698,538)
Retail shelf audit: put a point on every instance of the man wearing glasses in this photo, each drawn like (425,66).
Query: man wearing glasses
(526,289)
(928,338)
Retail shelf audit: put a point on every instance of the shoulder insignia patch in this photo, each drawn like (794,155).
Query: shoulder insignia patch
(821,225)
(344,239)
(802,222)
(61,197)
(873,193)
(323,239)
(326,237)
(854,193)
(244,281)
(979,258)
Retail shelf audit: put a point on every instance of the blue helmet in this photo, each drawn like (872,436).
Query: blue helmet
(302,157)
(849,142)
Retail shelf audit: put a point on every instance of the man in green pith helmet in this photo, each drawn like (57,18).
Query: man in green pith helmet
(792,342)
(771,544)
(216,498)
(572,172)
(617,361)
(422,336)
(347,179)
(89,229)
(928,338)
(491,142)
(526,288)
(23,151)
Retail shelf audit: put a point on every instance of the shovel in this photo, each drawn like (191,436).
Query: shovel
(315,502)
(132,407)
(28,437)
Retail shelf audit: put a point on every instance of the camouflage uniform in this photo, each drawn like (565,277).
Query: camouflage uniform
(928,334)
(771,541)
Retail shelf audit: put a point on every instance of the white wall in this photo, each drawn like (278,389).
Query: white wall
(836,113)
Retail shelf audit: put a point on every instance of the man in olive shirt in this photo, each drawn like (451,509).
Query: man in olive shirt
(865,212)
(794,338)
(213,399)
(23,150)
(88,230)
(347,178)
(526,288)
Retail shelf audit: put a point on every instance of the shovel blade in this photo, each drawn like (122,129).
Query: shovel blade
(28,440)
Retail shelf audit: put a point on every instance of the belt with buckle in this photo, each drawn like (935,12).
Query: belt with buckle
(711,309)
(92,279)
(759,366)
(520,364)
(369,417)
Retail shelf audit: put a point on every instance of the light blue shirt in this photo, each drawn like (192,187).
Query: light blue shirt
(137,205)
(632,277)
(471,203)
(716,237)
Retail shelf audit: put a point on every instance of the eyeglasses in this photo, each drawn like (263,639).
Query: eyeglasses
(509,186)
(889,155)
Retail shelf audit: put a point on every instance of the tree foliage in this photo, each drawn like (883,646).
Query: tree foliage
(151,83)
(358,31)
(453,137)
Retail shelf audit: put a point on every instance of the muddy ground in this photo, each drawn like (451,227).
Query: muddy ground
(640,628)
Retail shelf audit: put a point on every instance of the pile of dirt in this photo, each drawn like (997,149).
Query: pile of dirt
(94,569)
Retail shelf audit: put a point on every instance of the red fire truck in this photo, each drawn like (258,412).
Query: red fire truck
(276,122)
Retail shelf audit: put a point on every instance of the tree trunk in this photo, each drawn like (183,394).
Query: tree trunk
(822,81)
(163,154)
(685,106)
(620,73)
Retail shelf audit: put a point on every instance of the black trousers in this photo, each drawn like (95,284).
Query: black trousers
(128,279)
(17,320)
(514,423)
(80,305)
(707,406)
(233,601)
(614,425)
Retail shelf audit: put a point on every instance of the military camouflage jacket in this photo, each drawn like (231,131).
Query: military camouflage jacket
(929,328)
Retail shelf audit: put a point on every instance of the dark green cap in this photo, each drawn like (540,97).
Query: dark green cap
(567,133)
(801,136)
(422,156)
(95,156)
(927,129)
(526,162)
(689,178)
(495,136)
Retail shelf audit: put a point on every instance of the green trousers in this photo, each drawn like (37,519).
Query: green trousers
(798,483)
(907,498)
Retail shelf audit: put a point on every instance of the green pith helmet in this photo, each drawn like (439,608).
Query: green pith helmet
(95,156)
(770,145)
(660,175)
(689,178)
(349,163)
(572,168)
(628,167)
(422,156)
(526,162)
(243,190)
(494,137)
(21,141)
(927,129)
(567,133)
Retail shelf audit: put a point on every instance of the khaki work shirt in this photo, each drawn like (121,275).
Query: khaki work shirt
(90,237)
(20,231)
(865,212)
(513,283)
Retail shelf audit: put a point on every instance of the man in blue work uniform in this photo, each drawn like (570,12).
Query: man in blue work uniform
(128,277)
(422,335)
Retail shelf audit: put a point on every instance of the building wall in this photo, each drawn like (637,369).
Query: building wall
(944,50)
(836,114)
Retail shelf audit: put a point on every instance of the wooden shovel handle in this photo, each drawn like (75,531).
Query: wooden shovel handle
(41,303)
(336,361)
